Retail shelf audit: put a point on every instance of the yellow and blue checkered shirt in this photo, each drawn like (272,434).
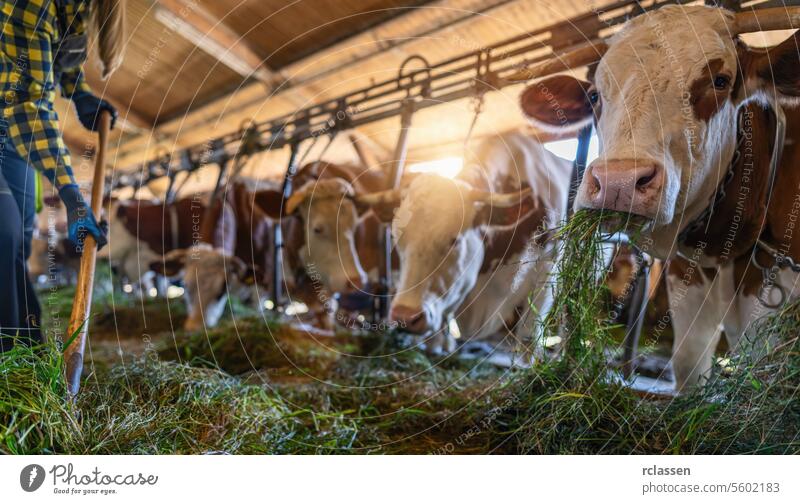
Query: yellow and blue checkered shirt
(30,33)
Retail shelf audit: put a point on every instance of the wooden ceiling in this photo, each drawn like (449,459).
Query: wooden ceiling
(197,69)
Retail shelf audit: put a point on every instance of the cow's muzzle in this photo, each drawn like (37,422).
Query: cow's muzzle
(409,319)
(633,186)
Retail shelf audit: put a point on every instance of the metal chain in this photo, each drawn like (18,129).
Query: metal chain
(702,220)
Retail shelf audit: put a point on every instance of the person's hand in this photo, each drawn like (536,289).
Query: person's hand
(88,107)
(80,219)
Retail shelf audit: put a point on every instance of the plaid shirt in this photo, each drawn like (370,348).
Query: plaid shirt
(30,32)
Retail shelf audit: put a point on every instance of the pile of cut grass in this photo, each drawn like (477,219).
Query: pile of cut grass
(151,407)
(576,405)
(580,292)
(752,409)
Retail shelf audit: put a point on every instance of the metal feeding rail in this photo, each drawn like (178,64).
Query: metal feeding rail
(469,75)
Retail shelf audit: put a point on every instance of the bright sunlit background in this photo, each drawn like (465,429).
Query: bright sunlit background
(450,166)
(446,167)
(567,148)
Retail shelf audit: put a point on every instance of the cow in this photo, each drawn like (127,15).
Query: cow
(142,231)
(324,233)
(231,249)
(474,248)
(686,114)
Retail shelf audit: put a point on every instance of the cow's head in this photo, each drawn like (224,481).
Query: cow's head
(665,97)
(436,229)
(209,277)
(329,217)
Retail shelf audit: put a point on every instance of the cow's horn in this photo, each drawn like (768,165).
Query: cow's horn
(500,200)
(388,197)
(294,201)
(774,18)
(559,63)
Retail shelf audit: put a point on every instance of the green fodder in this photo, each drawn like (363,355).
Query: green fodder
(252,344)
(158,407)
(33,414)
(404,400)
(154,407)
(576,314)
(752,407)
(576,405)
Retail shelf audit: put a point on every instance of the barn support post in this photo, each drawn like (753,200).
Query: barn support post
(395,176)
(169,196)
(277,259)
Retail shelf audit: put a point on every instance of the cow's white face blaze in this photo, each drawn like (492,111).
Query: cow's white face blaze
(329,249)
(666,117)
(209,277)
(440,251)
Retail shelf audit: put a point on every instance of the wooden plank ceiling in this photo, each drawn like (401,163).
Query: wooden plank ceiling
(183,82)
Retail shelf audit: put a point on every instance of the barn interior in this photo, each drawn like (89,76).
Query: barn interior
(216,95)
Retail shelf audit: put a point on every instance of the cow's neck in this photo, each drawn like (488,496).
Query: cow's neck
(740,217)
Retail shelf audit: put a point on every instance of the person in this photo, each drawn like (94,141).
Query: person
(43,45)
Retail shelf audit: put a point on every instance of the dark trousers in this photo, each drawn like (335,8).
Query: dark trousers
(20,313)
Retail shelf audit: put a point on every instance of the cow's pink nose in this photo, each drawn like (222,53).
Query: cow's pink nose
(408,319)
(627,185)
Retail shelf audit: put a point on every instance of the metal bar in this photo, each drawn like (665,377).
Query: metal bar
(277,263)
(637,310)
(579,165)
(395,176)
(300,126)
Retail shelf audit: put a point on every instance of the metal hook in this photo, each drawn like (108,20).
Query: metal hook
(425,84)
(768,284)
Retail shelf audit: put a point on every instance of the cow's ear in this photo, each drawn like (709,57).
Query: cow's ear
(557,105)
(171,264)
(778,69)
(269,200)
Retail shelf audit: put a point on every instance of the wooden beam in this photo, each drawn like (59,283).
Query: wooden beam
(193,22)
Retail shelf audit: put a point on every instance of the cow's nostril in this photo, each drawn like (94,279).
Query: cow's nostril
(645,180)
(595,185)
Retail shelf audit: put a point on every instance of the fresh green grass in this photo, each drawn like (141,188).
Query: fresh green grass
(154,407)
(258,386)
(576,405)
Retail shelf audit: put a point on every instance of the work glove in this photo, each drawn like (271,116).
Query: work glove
(88,107)
(80,219)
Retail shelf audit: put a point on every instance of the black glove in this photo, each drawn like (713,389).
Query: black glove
(88,107)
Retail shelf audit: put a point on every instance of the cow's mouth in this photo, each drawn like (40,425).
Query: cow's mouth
(613,221)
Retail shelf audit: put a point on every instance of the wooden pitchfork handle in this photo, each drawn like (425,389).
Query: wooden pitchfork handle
(82,306)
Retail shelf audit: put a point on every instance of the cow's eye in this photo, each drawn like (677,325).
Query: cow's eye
(318,230)
(721,82)
(594,97)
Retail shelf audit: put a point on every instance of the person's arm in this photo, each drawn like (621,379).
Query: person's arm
(87,105)
(73,84)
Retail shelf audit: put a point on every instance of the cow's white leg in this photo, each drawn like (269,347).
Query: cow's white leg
(697,307)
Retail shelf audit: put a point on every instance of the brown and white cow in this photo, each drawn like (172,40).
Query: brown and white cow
(324,234)
(232,249)
(142,231)
(666,97)
(331,242)
(471,248)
